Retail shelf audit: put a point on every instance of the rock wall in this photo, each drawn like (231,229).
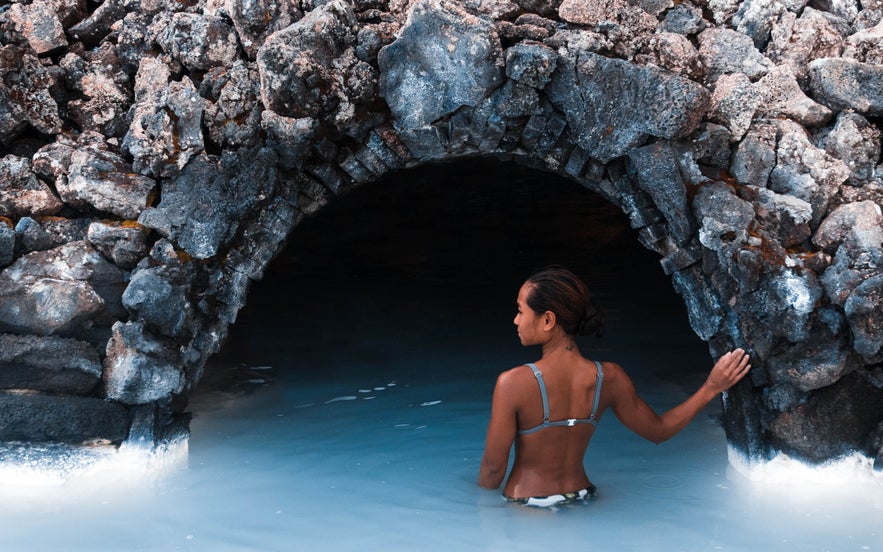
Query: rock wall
(156,154)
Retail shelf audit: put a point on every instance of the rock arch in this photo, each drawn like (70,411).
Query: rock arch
(165,152)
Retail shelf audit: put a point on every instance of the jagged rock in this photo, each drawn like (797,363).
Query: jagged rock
(64,291)
(25,96)
(50,364)
(201,209)
(866,46)
(844,83)
(797,41)
(784,304)
(531,64)
(629,16)
(805,171)
(784,217)
(782,96)
(817,362)
(863,308)
(233,114)
(165,132)
(855,232)
(21,193)
(291,138)
(845,9)
(442,59)
(755,18)
(38,23)
(98,24)
(48,232)
(659,175)
(684,19)
(158,295)
(123,243)
(103,180)
(733,103)
(755,156)
(104,89)
(704,309)
(7,242)
(52,161)
(37,417)
(612,105)
(725,51)
(670,51)
(198,41)
(258,19)
(139,367)
(497,9)
(721,215)
(297,64)
(856,142)
(833,422)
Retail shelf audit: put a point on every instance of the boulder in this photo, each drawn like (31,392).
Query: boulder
(123,243)
(139,367)
(297,64)
(7,242)
(834,421)
(841,83)
(21,192)
(63,291)
(442,59)
(233,112)
(25,95)
(202,209)
(783,217)
(798,40)
(658,174)
(166,128)
(40,417)
(857,143)
(198,41)
(755,155)
(863,308)
(733,103)
(255,21)
(725,51)
(104,181)
(51,364)
(104,92)
(38,23)
(531,64)
(48,232)
(158,296)
(612,105)
(781,96)
(866,45)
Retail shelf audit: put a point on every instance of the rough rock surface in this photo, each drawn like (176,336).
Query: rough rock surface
(157,154)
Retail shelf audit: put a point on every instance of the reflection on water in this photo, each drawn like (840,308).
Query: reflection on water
(348,412)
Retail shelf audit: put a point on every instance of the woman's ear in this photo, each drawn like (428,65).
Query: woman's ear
(549,320)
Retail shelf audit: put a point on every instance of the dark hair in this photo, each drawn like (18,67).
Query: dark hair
(560,291)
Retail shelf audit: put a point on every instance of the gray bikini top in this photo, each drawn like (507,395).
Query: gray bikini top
(571,421)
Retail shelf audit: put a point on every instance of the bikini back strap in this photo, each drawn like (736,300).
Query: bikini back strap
(597,390)
(543,394)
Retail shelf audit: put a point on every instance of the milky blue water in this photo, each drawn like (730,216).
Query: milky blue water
(348,413)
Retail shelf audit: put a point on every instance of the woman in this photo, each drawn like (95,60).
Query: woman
(549,409)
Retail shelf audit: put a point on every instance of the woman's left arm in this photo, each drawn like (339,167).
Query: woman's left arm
(500,435)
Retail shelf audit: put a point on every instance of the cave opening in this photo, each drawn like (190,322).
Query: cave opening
(428,261)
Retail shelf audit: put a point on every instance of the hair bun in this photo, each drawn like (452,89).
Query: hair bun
(592,323)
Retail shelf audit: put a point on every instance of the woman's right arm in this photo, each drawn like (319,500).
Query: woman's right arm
(500,435)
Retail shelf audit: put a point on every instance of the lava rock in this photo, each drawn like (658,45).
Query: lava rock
(21,192)
(40,417)
(443,59)
(139,367)
(844,83)
(50,364)
(123,243)
(103,180)
(25,95)
(198,41)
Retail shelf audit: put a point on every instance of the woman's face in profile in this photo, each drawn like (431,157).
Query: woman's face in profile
(527,321)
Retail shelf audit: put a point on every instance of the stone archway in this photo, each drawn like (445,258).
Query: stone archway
(171,150)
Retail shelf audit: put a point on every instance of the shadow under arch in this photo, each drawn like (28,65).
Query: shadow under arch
(436,253)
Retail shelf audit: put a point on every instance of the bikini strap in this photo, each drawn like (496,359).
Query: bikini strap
(543,394)
(597,390)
